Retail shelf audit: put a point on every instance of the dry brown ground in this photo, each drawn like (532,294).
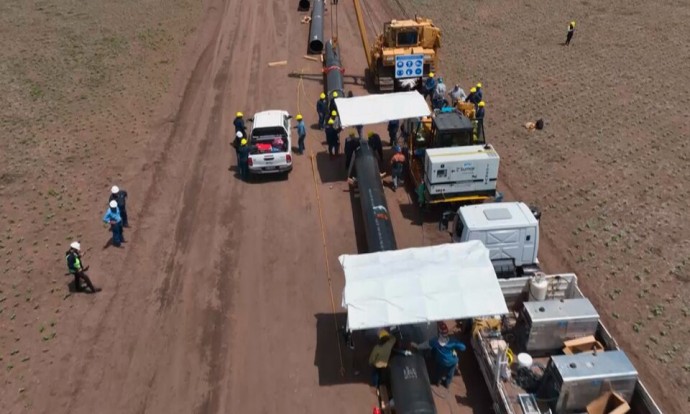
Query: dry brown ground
(197,315)
(611,167)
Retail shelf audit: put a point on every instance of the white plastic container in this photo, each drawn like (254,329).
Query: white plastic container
(538,288)
(524,360)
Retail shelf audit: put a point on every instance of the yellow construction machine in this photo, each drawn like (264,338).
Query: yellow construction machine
(403,54)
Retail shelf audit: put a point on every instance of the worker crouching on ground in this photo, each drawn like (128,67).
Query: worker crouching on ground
(301,134)
(445,349)
(120,196)
(243,155)
(112,216)
(397,166)
(321,108)
(76,268)
(239,124)
(379,357)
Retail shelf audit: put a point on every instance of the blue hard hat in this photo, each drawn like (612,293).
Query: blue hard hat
(397,148)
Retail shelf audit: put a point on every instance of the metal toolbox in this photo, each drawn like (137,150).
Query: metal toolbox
(548,323)
(571,382)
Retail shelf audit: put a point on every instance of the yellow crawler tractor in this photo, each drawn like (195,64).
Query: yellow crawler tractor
(403,54)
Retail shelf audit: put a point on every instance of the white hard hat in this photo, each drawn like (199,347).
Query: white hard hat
(239,134)
(115,189)
(75,245)
(113,204)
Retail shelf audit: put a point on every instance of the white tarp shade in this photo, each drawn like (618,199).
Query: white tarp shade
(426,284)
(375,109)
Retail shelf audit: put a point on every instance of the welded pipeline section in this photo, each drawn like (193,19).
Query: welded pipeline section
(377,221)
(316,30)
(410,385)
(334,72)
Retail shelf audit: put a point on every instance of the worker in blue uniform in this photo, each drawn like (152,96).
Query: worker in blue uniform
(243,154)
(301,134)
(429,85)
(351,145)
(120,195)
(112,216)
(376,145)
(332,138)
(393,127)
(479,95)
(239,124)
(479,117)
(445,349)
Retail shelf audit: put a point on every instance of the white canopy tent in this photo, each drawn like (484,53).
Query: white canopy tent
(375,109)
(425,284)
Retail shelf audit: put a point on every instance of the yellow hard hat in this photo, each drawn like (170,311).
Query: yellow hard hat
(573,23)
(298,117)
(370,134)
(352,134)
(331,121)
(473,90)
(239,115)
(322,96)
(431,74)
(479,85)
(243,142)
(482,104)
(334,113)
(383,333)
(335,94)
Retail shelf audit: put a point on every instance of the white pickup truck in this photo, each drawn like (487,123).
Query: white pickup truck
(271,143)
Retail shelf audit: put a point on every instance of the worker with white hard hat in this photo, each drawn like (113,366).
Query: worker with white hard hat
(120,196)
(237,143)
(77,268)
(112,216)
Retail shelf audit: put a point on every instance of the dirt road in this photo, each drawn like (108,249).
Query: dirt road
(220,302)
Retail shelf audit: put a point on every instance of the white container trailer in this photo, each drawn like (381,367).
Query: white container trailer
(459,171)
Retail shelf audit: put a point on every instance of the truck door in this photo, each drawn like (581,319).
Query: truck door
(529,245)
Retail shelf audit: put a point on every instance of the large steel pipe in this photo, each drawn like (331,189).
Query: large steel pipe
(316,30)
(377,221)
(334,73)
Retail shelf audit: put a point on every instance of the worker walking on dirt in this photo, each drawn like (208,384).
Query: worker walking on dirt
(336,121)
(397,166)
(239,123)
(479,116)
(77,268)
(376,145)
(351,145)
(445,351)
(243,156)
(457,94)
(301,134)
(120,196)
(569,35)
(393,127)
(332,107)
(321,108)
(429,85)
(379,357)
(112,216)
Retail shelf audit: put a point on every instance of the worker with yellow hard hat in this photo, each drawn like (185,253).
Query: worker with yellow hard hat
(479,94)
(429,85)
(239,124)
(479,117)
(243,157)
(571,32)
(332,138)
(321,109)
(380,355)
(301,134)
(472,97)
(351,145)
